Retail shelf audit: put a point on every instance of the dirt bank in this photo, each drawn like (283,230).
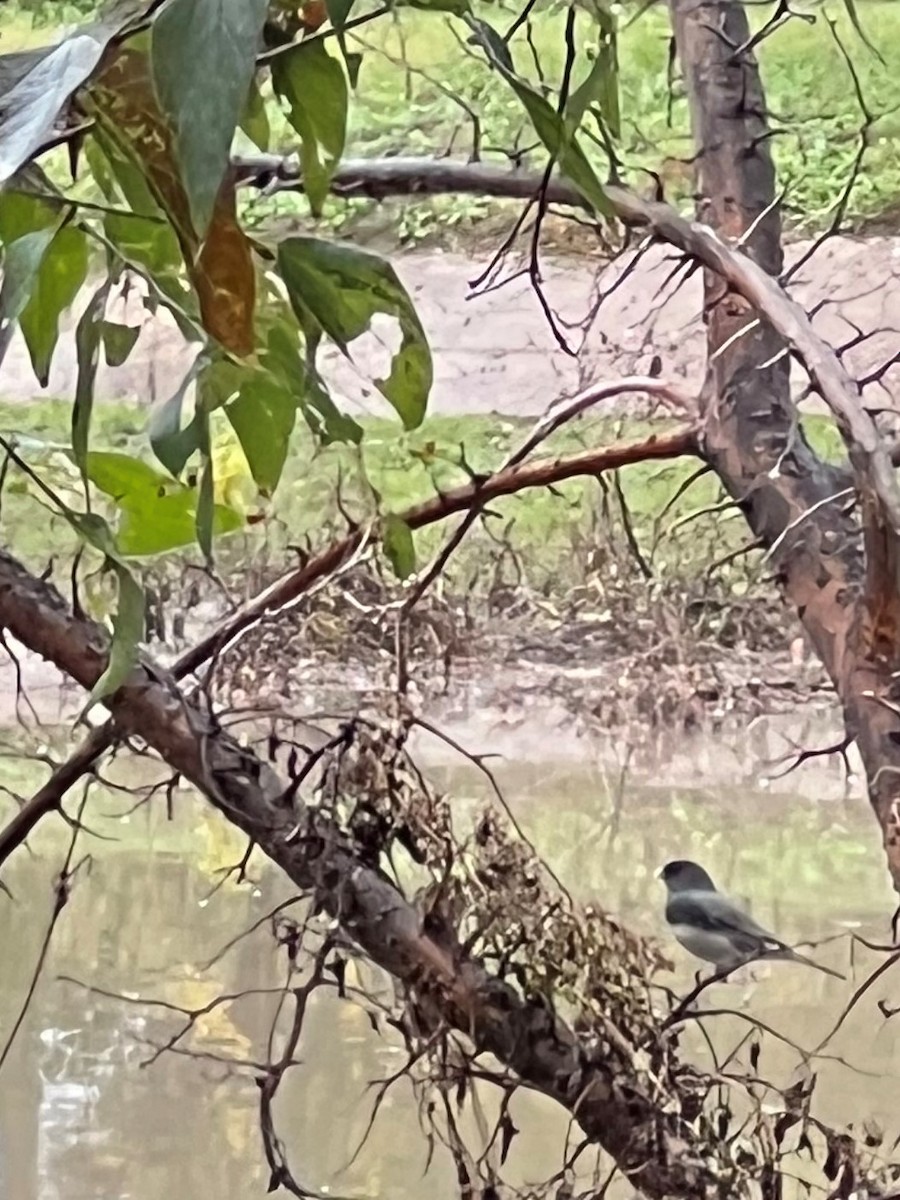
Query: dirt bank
(567,687)
(565,675)
(494,352)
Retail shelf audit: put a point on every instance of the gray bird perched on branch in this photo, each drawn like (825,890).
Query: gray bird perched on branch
(714,928)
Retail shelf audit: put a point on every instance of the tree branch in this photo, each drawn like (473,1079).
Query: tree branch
(290,587)
(619,1077)
(380,178)
(611,1090)
(410,176)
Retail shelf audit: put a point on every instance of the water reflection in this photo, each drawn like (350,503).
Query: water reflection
(83,1117)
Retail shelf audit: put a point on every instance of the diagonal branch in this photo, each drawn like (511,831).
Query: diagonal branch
(621,1081)
(609,1088)
(409,176)
(293,585)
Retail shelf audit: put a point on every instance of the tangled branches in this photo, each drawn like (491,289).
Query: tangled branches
(563,975)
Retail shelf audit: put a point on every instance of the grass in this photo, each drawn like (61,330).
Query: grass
(412,62)
(552,536)
(418,76)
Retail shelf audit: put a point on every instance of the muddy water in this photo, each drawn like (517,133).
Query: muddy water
(82,1115)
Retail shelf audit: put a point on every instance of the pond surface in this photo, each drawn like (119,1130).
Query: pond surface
(82,1115)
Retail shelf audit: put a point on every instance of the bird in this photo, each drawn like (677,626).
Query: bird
(711,926)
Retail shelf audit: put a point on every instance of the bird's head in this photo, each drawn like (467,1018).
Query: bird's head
(685,876)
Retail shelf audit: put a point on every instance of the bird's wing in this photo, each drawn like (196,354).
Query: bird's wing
(715,913)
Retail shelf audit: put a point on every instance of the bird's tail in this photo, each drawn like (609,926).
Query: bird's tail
(792,956)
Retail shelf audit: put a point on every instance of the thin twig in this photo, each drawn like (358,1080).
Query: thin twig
(515,477)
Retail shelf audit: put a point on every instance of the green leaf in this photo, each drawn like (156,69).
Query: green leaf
(54,276)
(147,244)
(122,477)
(87,348)
(118,341)
(116,174)
(398,544)
(33,94)
(62,272)
(206,506)
(601,87)
(494,44)
(338,289)
(22,212)
(255,121)
(338,14)
(156,513)
(21,264)
(146,239)
(203,55)
(263,417)
(172,444)
(157,524)
(552,130)
(315,88)
(206,492)
(218,382)
(281,357)
(571,159)
(353,61)
(128,619)
(128,632)
(324,418)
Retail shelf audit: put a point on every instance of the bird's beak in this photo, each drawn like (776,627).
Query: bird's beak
(657,874)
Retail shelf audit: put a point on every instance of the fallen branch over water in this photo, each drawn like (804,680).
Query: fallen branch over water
(624,1086)
(603,1081)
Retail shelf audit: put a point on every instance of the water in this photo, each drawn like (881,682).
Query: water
(82,1116)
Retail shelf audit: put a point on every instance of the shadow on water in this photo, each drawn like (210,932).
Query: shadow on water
(82,1116)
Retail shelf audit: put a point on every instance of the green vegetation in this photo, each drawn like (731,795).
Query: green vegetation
(550,530)
(419,77)
(809,84)
(262,450)
(416,68)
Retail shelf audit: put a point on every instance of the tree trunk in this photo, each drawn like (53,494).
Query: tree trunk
(836,561)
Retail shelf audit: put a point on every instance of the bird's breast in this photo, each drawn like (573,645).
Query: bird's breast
(706,944)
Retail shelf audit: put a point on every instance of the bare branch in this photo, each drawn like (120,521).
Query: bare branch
(444,982)
(378,179)
(296,583)
(611,1075)
(738,270)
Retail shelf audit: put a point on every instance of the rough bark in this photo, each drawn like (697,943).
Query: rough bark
(837,562)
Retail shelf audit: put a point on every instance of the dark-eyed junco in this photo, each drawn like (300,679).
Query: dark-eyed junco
(713,928)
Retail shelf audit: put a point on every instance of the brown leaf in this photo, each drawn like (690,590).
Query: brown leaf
(124,102)
(224,276)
